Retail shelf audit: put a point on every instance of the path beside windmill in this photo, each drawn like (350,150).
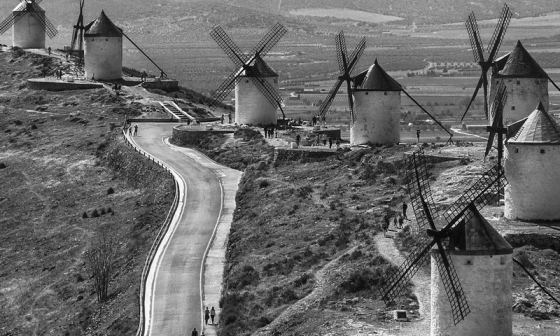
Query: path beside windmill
(421,281)
(209,201)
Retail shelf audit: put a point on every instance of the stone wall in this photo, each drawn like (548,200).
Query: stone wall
(283,154)
(192,135)
(40,84)
(166,84)
(540,241)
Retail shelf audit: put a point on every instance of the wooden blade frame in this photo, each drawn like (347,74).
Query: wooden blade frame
(242,61)
(346,65)
(10,21)
(497,121)
(493,48)
(44,22)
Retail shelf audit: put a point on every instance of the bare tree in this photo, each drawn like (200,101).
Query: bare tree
(100,261)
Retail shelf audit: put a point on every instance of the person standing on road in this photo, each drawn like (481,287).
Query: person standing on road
(418,135)
(135,130)
(194,332)
(222,118)
(206,315)
(212,314)
(229,117)
(298,138)
(404,208)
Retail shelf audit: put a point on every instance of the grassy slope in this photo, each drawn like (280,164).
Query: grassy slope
(58,167)
(292,218)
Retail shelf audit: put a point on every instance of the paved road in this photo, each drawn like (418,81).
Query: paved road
(177,301)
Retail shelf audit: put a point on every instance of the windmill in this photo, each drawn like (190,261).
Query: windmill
(255,82)
(30,25)
(376,125)
(346,65)
(492,48)
(77,43)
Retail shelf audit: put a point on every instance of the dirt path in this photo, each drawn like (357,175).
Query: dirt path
(323,286)
(421,281)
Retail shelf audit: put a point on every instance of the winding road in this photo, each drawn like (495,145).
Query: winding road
(175,297)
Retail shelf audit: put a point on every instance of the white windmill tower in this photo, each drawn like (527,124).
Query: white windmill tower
(255,82)
(532,161)
(29,25)
(526,83)
(377,107)
(103,49)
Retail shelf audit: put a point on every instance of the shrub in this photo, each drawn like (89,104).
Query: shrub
(110,191)
(2,165)
(264,183)
(84,215)
(262,321)
(524,260)
(102,212)
(109,210)
(94,213)
(302,280)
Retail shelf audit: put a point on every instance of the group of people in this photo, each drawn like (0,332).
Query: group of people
(316,119)
(229,118)
(133,130)
(208,314)
(270,132)
(398,220)
(117,88)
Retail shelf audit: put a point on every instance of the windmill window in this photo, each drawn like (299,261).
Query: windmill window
(513,108)
(106,39)
(542,151)
(367,93)
(246,81)
(518,82)
(385,93)
(517,150)
(468,262)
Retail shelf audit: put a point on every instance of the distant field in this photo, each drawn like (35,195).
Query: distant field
(344,13)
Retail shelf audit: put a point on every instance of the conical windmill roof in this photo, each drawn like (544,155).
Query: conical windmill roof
(520,64)
(26,6)
(102,26)
(477,237)
(539,128)
(376,79)
(259,68)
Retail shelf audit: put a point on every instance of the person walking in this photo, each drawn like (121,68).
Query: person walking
(212,314)
(135,130)
(222,119)
(404,208)
(337,144)
(418,135)
(330,142)
(229,117)
(386,223)
(265,132)
(298,138)
(206,315)
(194,332)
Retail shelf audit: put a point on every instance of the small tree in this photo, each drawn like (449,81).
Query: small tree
(100,260)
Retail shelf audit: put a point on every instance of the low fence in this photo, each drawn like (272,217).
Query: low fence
(170,120)
(159,237)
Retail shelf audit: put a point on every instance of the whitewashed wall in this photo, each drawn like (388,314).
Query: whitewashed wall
(103,57)
(377,117)
(28,33)
(251,106)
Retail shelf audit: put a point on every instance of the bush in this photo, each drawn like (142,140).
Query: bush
(110,191)
(95,213)
(102,212)
(263,184)
(84,215)
(2,165)
(524,260)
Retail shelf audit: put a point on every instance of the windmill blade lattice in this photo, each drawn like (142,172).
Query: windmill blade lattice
(43,21)
(242,61)
(497,119)
(10,21)
(418,183)
(455,294)
(346,65)
(492,48)
(269,40)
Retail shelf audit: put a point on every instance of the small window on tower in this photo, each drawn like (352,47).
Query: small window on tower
(517,150)
(518,82)
(385,93)
(246,81)
(497,82)
(542,151)
(513,108)
(92,40)
(367,93)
